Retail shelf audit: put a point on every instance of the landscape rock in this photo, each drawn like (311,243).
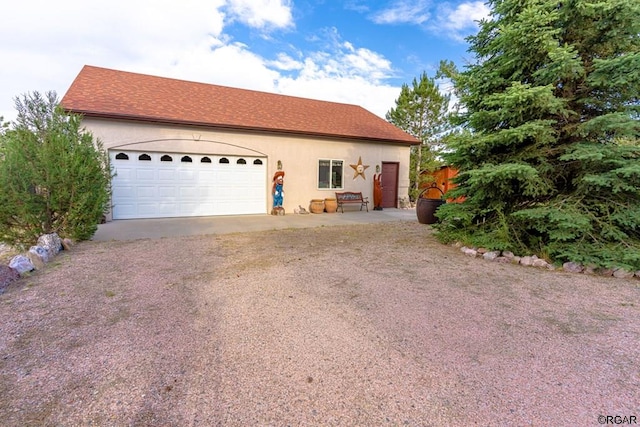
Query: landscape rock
(490,256)
(67,244)
(21,264)
(508,254)
(572,267)
(52,242)
(36,260)
(589,269)
(482,251)
(540,263)
(43,253)
(638,273)
(526,261)
(605,272)
(7,276)
(622,273)
(469,252)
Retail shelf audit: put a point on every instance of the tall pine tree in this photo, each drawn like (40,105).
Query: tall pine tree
(548,133)
(422,111)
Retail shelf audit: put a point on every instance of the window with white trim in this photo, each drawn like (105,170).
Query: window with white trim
(330,173)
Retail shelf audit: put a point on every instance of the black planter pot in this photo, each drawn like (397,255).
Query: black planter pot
(426,208)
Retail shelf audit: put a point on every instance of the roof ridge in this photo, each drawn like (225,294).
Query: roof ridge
(194,82)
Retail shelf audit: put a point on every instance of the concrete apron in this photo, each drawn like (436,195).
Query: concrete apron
(154,228)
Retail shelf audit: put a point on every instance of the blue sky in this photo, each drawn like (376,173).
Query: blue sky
(356,52)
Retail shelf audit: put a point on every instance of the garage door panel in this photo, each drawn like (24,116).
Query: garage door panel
(166,191)
(226,193)
(165,174)
(226,180)
(146,209)
(206,193)
(124,210)
(188,209)
(206,208)
(206,176)
(188,192)
(125,174)
(124,192)
(167,208)
(188,175)
(144,174)
(156,189)
(227,208)
(147,192)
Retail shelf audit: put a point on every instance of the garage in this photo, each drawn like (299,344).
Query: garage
(185,149)
(161,185)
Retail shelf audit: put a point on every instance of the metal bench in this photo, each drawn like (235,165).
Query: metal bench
(351,197)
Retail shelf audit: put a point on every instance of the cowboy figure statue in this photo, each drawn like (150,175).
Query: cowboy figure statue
(278,193)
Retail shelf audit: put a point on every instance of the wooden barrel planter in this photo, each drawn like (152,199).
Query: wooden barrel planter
(330,205)
(316,206)
(426,207)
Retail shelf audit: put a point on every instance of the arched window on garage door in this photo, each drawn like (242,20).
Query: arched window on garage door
(224,160)
(166,158)
(257,162)
(205,160)
(144,157)
(122,156)
(241,162)
(186,159)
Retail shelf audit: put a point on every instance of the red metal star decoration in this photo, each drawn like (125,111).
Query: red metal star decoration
(359,169)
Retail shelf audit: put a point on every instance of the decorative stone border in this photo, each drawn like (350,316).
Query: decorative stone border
(47,247)
(533,261)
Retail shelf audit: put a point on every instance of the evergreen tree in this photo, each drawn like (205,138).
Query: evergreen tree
(54,177)
(549,126)
(421,111)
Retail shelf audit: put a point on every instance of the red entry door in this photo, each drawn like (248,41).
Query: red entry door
(390,184)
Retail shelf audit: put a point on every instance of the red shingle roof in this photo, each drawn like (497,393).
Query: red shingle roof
(101,92)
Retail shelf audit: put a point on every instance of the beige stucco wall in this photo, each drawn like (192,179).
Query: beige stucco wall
(299,155)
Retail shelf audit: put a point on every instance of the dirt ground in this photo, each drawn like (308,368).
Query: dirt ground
(362,325)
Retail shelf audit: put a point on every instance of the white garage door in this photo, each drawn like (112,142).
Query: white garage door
(159,185)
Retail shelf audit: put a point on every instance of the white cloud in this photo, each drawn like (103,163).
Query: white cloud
(341,58)
(362,64)
(356,5)
(442,19)
(228,65)
(461,20)
(285,63)
(262,14)
(377,98)
(45,44)
(343,73)
(365,62)
(403,12)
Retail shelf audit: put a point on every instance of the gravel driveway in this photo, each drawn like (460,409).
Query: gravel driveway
(364,325)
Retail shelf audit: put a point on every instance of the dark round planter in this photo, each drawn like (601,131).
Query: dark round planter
(426,208)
